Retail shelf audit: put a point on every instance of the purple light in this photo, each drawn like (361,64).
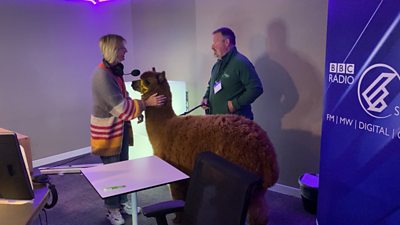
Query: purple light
(94,2)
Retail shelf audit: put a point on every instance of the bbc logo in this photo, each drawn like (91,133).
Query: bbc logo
(343,68)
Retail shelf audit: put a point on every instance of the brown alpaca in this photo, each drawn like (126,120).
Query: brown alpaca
(177,140)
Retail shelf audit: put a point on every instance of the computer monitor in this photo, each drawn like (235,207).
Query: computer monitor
(15,183)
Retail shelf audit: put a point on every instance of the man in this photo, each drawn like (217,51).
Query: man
(234,83)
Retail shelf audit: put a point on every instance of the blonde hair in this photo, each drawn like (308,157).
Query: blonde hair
(109,46)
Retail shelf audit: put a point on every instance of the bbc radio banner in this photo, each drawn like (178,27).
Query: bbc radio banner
(360,148)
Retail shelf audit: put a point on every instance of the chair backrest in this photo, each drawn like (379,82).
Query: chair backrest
(219,192)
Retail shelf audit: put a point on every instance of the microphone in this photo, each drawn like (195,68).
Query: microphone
(134,73)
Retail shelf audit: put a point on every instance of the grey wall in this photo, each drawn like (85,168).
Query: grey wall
(49,49)
(164,36)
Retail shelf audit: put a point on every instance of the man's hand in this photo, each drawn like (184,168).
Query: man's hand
(204,104)
(230,107)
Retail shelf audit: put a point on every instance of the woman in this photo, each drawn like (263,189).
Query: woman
(110,127)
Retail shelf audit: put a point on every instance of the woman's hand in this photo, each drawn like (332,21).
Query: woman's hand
(155,100)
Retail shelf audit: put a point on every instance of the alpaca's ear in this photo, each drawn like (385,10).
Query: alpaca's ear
(161,77)
(154,69)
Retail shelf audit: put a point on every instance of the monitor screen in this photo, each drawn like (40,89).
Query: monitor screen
(15,183)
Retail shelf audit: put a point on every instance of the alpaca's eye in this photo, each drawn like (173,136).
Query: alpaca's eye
(146,82)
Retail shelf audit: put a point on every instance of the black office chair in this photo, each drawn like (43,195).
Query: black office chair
(219,193)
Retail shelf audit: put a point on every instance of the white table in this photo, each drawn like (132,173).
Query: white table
(131,176)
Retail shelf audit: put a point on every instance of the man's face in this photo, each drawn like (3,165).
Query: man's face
(220,45)
(121,51)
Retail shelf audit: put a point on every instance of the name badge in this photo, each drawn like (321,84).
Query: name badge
(217,86)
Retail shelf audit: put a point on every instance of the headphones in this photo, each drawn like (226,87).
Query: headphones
(117,70)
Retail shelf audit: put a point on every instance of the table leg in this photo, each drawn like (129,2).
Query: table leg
(134,208)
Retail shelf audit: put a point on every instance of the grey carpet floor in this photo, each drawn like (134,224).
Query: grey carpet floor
(79,203)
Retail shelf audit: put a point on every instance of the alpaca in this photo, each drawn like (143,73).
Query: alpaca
(178,139)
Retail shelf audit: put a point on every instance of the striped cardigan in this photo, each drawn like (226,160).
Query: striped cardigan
(111,107)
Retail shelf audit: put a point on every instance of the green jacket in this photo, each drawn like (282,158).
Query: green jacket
(240,84)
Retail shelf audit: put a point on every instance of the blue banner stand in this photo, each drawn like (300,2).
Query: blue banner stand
(359,182)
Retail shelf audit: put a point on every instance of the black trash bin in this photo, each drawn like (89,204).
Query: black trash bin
(309,191)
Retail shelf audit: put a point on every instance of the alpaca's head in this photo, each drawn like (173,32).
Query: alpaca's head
(152,82)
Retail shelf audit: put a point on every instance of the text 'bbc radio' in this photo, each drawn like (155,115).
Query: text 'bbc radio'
(341,73)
